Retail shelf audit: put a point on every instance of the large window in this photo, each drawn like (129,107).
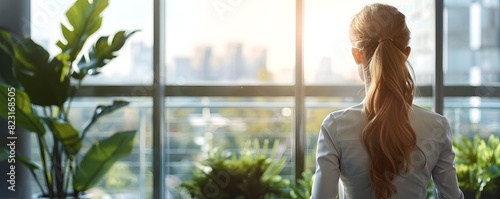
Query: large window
(236,70)
(131,177)
(196,125)
(327,49)
(230,42)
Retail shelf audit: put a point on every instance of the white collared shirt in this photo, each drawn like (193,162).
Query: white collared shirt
(341,154)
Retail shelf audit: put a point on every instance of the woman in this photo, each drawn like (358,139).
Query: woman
(386,147)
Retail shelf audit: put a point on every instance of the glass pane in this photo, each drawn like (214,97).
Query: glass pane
(196,125)
(471,42)
(134,62)
(473,115)
(230,42)
(327,48)
(130,177)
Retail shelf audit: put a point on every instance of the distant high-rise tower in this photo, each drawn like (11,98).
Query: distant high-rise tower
(325,73)
(203,64)
(142,61)
(234,68)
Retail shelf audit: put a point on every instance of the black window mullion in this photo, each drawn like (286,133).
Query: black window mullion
(438,87)
(158,100)
(299,139)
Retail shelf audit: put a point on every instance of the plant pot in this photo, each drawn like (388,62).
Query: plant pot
(81,196)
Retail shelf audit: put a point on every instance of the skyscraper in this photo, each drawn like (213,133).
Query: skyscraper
(202,65)
(234,68)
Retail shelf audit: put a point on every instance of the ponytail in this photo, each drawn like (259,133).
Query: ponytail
(388,137)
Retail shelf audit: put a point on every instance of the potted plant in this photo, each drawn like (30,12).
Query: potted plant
(252,173)
(37,89)
(478,165)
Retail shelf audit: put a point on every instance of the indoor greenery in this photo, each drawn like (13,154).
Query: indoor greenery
(253,173)
(478,165)
(302,189)
(40,88)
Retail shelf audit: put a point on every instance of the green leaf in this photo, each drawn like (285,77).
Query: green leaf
(29,55)
(84,20)
(484,153)
(7,74)
(494,144)
(307,182)
(492,172)
(23,114)
(68,135)
(5,42)
(31,165)
(45,81)
(102,110)
(100,54)
(466,151)
(100,157)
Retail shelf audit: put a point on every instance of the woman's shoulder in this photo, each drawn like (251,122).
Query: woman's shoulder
(349,112)
(423,114)
(345,117)
(428,124)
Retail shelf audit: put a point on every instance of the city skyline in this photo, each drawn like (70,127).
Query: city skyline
(191,23)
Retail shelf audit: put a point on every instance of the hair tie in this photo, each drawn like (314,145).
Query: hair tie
(382,39)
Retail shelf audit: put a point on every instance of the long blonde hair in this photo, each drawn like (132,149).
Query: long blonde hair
(380,32)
